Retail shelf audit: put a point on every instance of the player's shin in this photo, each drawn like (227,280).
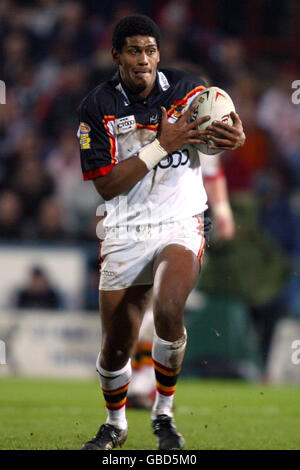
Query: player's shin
(114,385)
(167,357)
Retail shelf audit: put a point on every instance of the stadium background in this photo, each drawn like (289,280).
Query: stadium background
(244,314)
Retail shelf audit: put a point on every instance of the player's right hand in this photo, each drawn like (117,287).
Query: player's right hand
(184,131)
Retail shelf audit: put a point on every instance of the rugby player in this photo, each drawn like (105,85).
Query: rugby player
(142,389)
(136,139)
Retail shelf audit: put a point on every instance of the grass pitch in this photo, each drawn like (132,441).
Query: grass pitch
(48,414)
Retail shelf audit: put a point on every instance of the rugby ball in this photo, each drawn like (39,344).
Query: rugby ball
(217,104)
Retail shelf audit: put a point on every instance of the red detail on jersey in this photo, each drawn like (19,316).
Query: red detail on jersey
(100,257)
(111,137)
(182,103)
(150,127)
(92,174)
(201,250)
(219,94)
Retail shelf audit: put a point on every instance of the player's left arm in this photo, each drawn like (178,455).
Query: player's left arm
(222,216)
(216,188)
(226,137)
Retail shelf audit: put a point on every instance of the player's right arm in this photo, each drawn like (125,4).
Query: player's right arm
(98,150)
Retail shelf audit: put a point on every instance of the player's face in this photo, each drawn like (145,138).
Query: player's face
(138,63)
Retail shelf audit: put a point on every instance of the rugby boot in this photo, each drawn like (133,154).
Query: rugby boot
(108,437)
(168,438)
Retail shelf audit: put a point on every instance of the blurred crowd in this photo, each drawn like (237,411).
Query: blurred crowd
(53,52)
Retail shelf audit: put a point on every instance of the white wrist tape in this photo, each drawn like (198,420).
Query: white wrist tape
(152,154)
(222,208)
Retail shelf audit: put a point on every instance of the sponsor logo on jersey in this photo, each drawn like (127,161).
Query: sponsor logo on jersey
(153,119)
(84,137)
(175,159)
(125,124)
(178,107)
(107,273)
(84,128)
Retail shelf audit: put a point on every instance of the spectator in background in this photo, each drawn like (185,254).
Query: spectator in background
(228,64)
(28,146)
(55,108)
(259,152)
(50,226)
(10,216)
(78,205)
(62,164)
(32,184)
(16,54)
(72,28)
(276,107)
(38,292)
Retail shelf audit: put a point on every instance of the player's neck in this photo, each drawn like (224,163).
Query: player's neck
(143,93)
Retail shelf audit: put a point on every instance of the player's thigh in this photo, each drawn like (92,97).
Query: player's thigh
(121,316)
(176,270)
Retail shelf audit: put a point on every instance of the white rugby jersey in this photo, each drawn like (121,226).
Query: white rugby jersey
(116,125)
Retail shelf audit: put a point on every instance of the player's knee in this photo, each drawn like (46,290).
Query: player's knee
(170,306)
(168,315)
(112,358)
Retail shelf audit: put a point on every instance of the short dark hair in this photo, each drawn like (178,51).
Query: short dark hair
(134,25)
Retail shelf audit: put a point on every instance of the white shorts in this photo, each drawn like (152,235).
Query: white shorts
(126,262)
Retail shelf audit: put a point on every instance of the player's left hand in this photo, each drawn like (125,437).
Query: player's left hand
(226,137)
(225,226)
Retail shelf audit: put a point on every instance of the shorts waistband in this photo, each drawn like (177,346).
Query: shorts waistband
(184,227)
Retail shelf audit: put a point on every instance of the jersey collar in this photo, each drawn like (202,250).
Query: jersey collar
(161,85)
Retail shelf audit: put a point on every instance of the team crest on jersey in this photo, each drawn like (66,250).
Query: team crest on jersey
(178,107)
(84,127)
(84,136)
(125,124)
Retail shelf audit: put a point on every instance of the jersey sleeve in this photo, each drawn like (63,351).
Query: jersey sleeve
(97,142)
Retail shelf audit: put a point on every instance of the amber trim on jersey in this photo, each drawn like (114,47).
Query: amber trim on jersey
(202,245)
(112,140)
(103,170)
(183,101)
(150,127)
(201,251)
